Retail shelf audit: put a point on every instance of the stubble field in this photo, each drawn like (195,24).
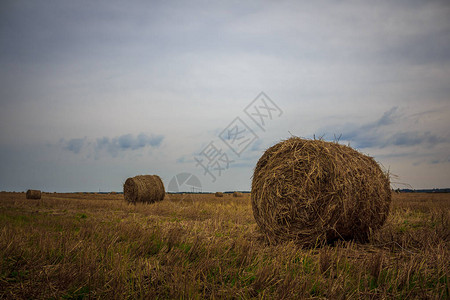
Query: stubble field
(199,246)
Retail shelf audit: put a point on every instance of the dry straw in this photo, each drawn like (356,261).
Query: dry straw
(144,188)
(33,194)
(238,194)
(219,194)
(312,191)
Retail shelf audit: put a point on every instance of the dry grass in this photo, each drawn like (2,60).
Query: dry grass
(199,246)
(33,194)
(313,191)
(144,188)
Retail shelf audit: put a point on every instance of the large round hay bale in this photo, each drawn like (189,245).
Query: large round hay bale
(238,194)
(144,188)
(218,194)
(33,194)
(312,191)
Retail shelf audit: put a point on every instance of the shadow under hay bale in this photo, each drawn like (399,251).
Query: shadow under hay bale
(218,194)
(312,191)
(238,194)
(33,194)
(144,188)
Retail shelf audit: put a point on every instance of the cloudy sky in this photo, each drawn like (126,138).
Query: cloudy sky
(93,92)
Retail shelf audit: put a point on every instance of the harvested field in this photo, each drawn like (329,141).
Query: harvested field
(200,246)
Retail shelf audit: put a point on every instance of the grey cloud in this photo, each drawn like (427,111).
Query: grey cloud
(379,134)
(366,135)
(127,142)
(432,161)
(197,56)
(412,138)
(387,117)
(114,145)
(185,159)
(257,145)
(422,47)
(58,30)
(102,143)
(75,145)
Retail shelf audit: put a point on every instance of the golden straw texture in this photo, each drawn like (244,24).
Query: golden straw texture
(312,191)
(33,194)
(144,188)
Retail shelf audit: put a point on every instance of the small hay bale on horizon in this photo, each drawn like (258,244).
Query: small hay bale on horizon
(33,194)
(238,194)
(218,194)
(144,188)
(313,191)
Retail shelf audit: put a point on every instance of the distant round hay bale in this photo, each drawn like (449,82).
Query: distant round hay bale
(33,194)
(238,194)
(144,188)
(218,194)
(312,191)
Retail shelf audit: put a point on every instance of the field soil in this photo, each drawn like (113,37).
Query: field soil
(198,246)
